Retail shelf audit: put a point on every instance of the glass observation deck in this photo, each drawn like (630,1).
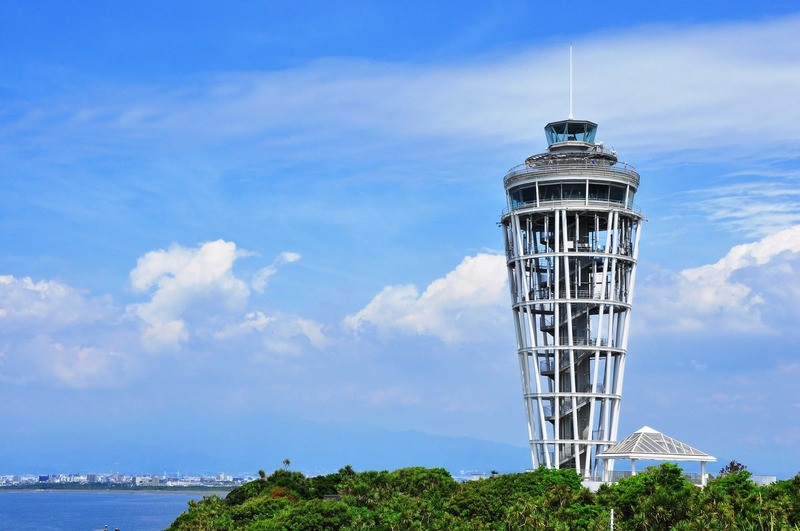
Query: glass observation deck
(570,131)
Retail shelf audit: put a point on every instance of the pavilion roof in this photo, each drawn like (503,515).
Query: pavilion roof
(647,443)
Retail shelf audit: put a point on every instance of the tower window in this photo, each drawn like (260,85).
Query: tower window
(574,190)
(616,194)
(598,192)
(550,192)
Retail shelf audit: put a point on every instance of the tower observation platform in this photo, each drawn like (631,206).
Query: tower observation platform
(571,239)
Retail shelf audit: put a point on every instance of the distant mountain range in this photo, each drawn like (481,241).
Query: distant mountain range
(244,445)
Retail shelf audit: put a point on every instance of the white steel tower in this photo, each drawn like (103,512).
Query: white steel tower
(571,239)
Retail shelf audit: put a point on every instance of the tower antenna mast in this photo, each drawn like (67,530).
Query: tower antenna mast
(570,81)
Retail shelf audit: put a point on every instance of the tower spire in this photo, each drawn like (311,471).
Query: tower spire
(570,81)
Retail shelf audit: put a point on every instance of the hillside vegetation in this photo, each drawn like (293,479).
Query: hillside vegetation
(429,498)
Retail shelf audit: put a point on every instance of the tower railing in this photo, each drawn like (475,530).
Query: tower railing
(555,203)
(590,167)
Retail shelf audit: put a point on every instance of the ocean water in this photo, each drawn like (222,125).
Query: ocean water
(91,510)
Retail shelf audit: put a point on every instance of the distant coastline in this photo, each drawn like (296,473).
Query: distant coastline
(193,489)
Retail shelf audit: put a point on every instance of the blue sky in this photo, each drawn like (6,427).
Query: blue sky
(278,222)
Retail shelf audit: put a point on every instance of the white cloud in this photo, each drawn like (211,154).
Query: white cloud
(750,254)
(751,289)
(66,360)
(288,335)
(697,366)
(183,267)
(197,294)
(677,103)
(262,276)
(311,330)
(469,303)
(663,94)
(56,334)
(755,208)
(253,322)
(188,282)
(48,304)
(81,366)
(284,335)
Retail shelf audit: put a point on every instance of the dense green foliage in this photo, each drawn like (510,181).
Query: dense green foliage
(429,498)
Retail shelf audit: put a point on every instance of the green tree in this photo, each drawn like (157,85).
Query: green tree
(261,508)
(429,498)
(319,486)
(658,498)
(294,483)
(733,501)
(209,513)
(402,512)
(420,482)
(366,489)
(732,468)
(783,498)
(310,515)
(520,500)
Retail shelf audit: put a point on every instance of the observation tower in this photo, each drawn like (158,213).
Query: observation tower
(571,239)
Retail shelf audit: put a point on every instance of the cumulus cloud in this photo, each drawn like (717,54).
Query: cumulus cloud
(47,304)
(263,275)
(750,289)
(185,281)
(80,366)
(54,333)
(279,334)
(288,336)
(57,334)
(65,362)
(468,303)
(311,330)
(195,293)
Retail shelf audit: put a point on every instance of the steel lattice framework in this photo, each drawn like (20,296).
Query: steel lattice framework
(571,239)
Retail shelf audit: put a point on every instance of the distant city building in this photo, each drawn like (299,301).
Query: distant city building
(571,239)
(142,481)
